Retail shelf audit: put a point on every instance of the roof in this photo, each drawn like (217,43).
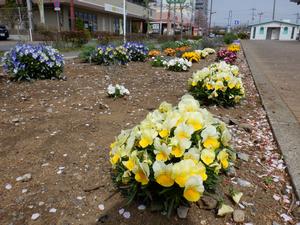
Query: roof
(275,21)
(297,1)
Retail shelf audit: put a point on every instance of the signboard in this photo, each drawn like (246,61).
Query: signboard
(56,5)
(112,8)
(236,22)
(176,1)
(155,28)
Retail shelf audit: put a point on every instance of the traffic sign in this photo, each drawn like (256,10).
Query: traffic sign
(236,22)
(56,5)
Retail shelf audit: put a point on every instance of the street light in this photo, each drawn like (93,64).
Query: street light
(124,20)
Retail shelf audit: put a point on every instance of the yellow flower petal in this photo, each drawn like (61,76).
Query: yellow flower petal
(211,143)
(165,180)
(161,157)
(141,177)
(129,164)
(144,142)
(164,133)
(191,194)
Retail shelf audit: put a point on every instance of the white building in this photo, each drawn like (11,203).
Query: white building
(274,30)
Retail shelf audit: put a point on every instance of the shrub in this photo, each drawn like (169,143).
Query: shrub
(157,61)
(86,53)
(212,42)
(77,38)
(103,54)
(243,35)
(172,156)
(178,64)
(219,83)
(229,38)
(136,51)
(227,56)
(26,62)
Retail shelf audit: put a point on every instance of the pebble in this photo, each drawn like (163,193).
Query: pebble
(101,207)
(243,156)
(231,172)
(8,186)
(209,202)
(35,216)
(246,127)
(141,207)
(41,203)
(275,223)
(52,210)
(126,215)
(244,183)
(238,216)
(24,191)
(26,177)
(182,212)
(121,211)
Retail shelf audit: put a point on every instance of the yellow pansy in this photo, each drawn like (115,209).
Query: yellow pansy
(193,154)
(142,172)
(210,137)
(165,107)
(188,104)
(163,174)
(147,137)
(161,150)
(115,159)
(195,120)
(208,156)
(223,158)
(193,189)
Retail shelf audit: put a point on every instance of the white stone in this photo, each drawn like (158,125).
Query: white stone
(141,207)
(121,211)
(8,186)
(101,207)
(126,215)
(24,178)
(35,216)
(182,212)
(52,210)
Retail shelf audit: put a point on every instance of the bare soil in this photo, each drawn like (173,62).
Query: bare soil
(59,131)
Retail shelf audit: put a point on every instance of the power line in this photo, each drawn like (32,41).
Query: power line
(260,14)
(253,14)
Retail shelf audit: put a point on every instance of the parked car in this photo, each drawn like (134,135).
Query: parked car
(3,32)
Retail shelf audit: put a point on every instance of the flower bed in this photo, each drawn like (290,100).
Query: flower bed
(218,84)
(110,54)
(154,53)
(157,61)
(170,52)
(136,51)
(178,64)
(227,56)
(234,48)
(172,156)
(26,62)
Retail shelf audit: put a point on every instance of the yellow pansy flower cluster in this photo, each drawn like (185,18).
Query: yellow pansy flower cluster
(234,48)
(219,83)
(205,52)
(172,149)
(191,56)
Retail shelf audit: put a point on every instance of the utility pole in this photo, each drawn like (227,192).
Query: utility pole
(29,12)
(174,18)
(274,7)
(260,14)
(253,14)
(160,17)
(169,20)
(297,17)
(229,21)
(124,20)
(210,14)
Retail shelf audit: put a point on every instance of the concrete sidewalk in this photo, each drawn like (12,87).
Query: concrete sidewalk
(275,68)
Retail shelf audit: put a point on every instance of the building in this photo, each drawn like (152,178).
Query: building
(274,30)
(297,1)
(193,13)
(96,15)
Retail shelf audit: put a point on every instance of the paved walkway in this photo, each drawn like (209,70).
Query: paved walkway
(275,67)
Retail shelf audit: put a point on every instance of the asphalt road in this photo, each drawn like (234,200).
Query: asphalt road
(279,62)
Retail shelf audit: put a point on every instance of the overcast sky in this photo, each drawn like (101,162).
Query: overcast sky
(241,10)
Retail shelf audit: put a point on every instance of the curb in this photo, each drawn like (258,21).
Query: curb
(285,126)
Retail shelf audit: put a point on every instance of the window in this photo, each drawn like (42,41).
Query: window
(89,20)
(293,32)
(261,30)
(285,30)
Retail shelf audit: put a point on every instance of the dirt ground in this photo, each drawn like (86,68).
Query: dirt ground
(59,132)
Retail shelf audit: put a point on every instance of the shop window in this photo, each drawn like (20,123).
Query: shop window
(285,30)
(89,20)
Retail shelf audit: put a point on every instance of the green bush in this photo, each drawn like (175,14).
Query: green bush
(229,38)
(243,35)
(77,38)
(86,53)
(212,42)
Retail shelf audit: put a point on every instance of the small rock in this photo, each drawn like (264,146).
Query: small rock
(209,202)
(8,186)
(15,120)
(243,156)
(35,216)
(182,212)
(244,183)
(126,215)
(49,110)
(52,210)
(231,172)
(233,122)
(141,207)
(238,216)
(101,207)
(26,177)
(121,211)
(41,203)
(246,127)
